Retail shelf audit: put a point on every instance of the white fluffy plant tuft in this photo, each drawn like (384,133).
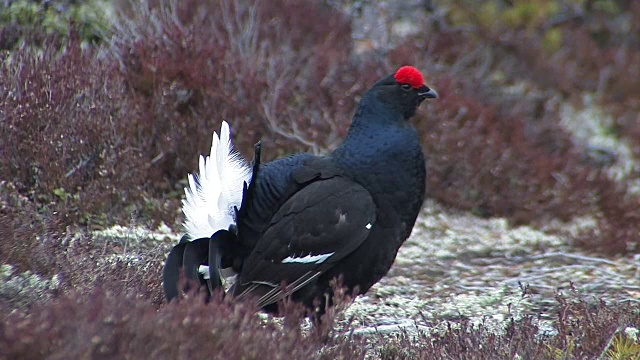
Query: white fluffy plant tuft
(213,193)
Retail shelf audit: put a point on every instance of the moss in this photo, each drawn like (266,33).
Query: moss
(552,40)
(623,348)
(32,21)
(530,14)
(21,290)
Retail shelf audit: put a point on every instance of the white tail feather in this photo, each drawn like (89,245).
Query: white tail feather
(216,189)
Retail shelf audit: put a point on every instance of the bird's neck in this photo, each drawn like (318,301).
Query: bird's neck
(389,153)
(375,111)
(376,136)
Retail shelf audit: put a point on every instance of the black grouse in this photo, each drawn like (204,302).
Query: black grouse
(290,226)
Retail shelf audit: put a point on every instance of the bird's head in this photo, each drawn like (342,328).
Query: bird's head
(404,91)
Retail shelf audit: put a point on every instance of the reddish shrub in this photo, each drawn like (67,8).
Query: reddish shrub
(581,330)
(107,324)
(67,139)
(272,73)
(500,154)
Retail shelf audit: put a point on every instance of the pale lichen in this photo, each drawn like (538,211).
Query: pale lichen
(456,266)
(162,233)
(23,289)
(632,333)
(591,127)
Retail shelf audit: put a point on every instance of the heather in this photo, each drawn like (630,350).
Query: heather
(100,121)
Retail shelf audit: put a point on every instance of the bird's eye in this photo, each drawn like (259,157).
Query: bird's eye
(406,87)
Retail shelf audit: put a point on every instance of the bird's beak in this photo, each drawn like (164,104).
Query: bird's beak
(427,93)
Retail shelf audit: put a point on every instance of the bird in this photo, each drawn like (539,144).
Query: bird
(288,228)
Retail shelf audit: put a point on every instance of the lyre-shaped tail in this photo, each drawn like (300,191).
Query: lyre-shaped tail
(215,192)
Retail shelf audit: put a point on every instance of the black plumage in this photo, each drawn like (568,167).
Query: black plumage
(306,220)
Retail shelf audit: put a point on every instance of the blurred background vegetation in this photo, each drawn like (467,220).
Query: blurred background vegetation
(105,107)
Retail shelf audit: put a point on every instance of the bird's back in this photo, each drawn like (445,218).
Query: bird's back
(271,187)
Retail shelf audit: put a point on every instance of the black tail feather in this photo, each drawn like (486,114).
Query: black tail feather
(221,244)
(195,254)
(248,189)
(171,271)
(192,254)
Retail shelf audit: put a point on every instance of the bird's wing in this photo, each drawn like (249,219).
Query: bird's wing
(315,228)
